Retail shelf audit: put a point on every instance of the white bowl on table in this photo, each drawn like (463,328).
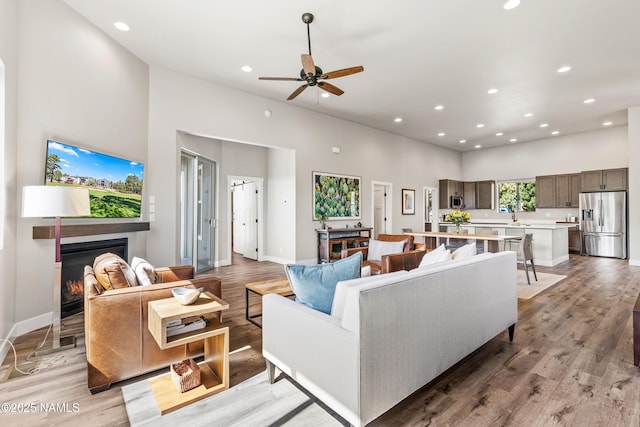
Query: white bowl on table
(186,296)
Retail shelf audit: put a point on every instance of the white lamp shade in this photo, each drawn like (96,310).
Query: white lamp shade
(54,201)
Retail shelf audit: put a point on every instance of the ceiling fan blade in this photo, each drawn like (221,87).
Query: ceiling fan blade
(291,79)
(343,72)
(307,64)
(330,88)
(297,92)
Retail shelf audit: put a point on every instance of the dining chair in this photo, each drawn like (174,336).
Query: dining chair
(525,255)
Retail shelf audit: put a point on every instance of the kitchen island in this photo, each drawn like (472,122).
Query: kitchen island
(550,241)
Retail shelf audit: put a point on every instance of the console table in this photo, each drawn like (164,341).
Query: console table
(333,240)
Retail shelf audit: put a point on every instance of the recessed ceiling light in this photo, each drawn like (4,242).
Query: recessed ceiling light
(511,4)
(325,95)
(589,101)
(462,141)
(480,125)
(555,132)
(441,134)
(513,140)
(564,69)
(477,146)
(499,134)
(397,119)
(492,91)
(544,125)
(607,123)
(246,69)
(121,26)
(439,107)
(528,114)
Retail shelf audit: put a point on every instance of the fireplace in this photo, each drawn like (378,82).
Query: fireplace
(74,257)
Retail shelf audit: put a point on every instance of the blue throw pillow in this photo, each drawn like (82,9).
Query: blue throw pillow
(315,285)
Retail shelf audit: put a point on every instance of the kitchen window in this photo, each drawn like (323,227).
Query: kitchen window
(517,195)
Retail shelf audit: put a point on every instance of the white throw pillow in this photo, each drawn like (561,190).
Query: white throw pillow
(145,272)
(433,256)
(464,252)
(378,248)
(365,271)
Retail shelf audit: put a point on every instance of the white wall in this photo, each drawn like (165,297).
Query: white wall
(281,205)
(78,85)
(9,64)
(179,102)
(634,185)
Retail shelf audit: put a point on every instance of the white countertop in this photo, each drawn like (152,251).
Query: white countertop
(522,225)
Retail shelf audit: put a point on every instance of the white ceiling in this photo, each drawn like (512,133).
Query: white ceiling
(416,54)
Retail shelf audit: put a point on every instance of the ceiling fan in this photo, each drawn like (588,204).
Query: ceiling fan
(312,74)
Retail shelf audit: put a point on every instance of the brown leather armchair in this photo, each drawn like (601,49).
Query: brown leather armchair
(404,261)
(117,339)
(375,266)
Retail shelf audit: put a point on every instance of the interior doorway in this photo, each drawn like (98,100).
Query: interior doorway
(246,217)
(381,194)
(197,211)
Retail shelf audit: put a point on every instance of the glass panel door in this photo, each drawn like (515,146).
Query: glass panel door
(205,220)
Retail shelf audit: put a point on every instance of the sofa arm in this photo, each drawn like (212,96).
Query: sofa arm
(350,251)
(313,349)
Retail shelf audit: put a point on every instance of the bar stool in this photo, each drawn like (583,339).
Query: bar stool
(525,255)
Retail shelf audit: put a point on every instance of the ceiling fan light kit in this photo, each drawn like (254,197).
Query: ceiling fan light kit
(313,75)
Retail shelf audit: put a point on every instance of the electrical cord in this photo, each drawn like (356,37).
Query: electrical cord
(46,363)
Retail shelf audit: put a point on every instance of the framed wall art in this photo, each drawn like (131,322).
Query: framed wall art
(408,201)
(336,196)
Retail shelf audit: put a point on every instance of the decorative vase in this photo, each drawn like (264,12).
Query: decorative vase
(458,231)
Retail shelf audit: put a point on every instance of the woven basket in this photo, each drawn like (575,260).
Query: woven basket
(185,375)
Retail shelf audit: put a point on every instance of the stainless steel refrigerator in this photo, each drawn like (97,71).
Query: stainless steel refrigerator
(603,223)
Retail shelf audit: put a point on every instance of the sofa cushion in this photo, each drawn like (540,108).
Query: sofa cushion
(439,254)
(145,273)
(464,252)
(112,272)
(315,285)
(378,248)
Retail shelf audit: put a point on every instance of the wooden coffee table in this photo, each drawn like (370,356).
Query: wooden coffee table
(214,369)
(273,286)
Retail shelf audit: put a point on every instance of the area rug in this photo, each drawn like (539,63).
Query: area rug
(253,402)
(545,281)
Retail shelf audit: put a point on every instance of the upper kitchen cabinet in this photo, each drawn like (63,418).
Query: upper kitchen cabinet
(485,194)
(546,191)
(568,190)
(604,180)
(469,192)
(448,188)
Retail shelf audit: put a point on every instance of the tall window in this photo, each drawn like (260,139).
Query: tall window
(517,195)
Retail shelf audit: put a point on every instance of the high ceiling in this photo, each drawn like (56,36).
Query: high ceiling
(417,54)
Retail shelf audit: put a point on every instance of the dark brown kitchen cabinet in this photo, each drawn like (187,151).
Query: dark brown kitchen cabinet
(484,196)
(546,191)
(568,190)
(469,192)
(448,188)
(604,180)
(575,240)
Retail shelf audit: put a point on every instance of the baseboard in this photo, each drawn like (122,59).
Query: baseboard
(4,346)
(635,262)
(34,323)
(277,260)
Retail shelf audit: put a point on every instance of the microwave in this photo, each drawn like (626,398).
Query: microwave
(456,202)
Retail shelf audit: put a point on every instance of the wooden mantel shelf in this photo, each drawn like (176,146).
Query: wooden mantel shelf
(74,230)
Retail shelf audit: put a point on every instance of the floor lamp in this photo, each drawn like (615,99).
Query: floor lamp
(55,201)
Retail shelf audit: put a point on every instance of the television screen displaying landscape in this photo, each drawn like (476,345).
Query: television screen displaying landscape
(115,184)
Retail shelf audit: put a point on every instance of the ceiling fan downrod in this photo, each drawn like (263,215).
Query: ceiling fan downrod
(307,18)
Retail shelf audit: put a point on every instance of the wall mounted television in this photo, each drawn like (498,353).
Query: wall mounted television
(114,183)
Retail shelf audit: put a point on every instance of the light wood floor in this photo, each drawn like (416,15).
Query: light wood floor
(570,362)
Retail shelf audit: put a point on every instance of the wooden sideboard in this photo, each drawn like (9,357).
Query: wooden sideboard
(333,240)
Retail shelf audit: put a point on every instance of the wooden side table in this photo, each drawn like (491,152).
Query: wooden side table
(214,369)
(274,286)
